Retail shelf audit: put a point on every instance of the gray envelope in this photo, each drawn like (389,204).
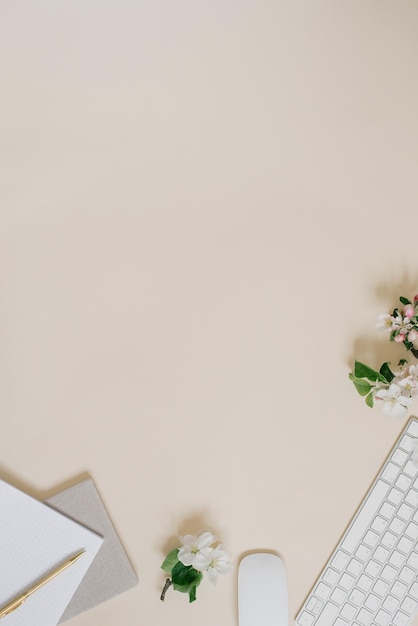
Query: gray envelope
(111,572)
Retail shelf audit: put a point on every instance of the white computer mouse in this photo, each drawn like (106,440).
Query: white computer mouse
(262,591)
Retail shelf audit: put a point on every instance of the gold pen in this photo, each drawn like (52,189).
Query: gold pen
(14,604)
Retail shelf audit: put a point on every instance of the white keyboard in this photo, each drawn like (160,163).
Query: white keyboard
(371,577)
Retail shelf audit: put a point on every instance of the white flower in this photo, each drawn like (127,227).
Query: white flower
(384,322)
(409,310)
(220,563)
(409,382)
(396,405)
(412,335)
(401,324)
(196,550)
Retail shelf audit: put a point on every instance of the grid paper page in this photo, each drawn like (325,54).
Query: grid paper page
(35,539)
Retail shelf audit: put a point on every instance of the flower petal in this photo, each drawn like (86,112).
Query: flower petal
(189,540)
(185,556)
(205,540)
(212,575)
(202,559)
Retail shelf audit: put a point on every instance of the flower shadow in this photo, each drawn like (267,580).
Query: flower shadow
(194,524)
(405,285)
(379,349)
(376,351)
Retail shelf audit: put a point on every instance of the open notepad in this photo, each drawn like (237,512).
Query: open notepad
(35,539)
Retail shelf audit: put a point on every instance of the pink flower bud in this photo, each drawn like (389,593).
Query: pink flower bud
(399,338)
(412,335)
(409,311)
(416,297)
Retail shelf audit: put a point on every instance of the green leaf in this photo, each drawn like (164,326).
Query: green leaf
(181,588)
(170,561)
(184,575)
(192,593)
(405,300)
(362,386)
(387,372)
(186,579)
(364,371)
(369,400)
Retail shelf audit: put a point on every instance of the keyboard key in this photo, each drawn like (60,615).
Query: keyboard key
(399,456)
(331,576)
(390,603)
(405,512)
(395,496)
(410,469)
(401,619)
(363,553)
(412,530)
(328,613)
(397,559)
(389,539)
(414,591)
(403,482)
(364,617)
(381,554)
(412,428)
(412,497)
(306,619)
(409,605)
(397,525)
(338,595)
(356,597)
(372,568)
(371,538)
(413,560)
(379,524)
(354,567)
(406,443)
(318,606)
(382,618)
(348,612)
(380,587)
(387,510)
(405,545)
(322,591)
(390,472)
(399,589)
(388,573)
(364,582)
(340,560)
(406,574)
(346,581)
(372,602)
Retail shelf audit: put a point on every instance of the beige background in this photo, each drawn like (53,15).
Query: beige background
(204,207)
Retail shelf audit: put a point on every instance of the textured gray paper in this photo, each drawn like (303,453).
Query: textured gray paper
(111,572)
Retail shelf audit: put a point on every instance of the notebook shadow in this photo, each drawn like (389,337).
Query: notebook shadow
(40,494)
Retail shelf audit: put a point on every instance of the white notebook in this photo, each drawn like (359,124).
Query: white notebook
(35,539)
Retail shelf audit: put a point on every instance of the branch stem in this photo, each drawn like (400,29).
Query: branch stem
(167,585)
